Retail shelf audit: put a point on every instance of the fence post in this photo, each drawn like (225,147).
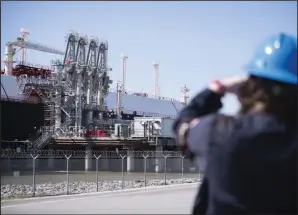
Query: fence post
(97,158)
(67,173)
(145,168)
(182,167)
(165,167)
(122,169)
(33,174)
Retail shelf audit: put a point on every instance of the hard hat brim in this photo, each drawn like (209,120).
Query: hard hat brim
(272,74)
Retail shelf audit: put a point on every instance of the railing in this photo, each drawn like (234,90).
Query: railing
(146,114)
(38,66)
(145,95)
(43,140)
(23,80)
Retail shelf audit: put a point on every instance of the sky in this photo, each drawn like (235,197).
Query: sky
(193,42)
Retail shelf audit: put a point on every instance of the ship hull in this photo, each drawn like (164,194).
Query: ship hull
(20,121)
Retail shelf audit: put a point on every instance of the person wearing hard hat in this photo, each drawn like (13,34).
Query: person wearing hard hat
(249,160)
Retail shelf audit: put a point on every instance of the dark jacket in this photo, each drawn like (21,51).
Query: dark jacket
(249,162)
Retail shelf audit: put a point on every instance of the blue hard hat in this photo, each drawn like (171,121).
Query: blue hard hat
(275,59)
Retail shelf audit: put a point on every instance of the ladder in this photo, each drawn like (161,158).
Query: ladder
(43,140)
(49,118)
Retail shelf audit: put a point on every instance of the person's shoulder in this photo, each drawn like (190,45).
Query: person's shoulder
(220,127)
(212,127)
(255,122)
(223,121)
(216,121)
(259,122)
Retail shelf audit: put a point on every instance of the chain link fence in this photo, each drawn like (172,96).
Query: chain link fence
(57,172)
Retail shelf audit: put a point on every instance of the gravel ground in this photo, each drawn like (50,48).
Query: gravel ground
(50,189)
(90,176)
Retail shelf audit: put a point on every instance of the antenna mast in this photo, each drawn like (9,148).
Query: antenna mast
(156,71)
(184,94)
(118,99)
(124,59)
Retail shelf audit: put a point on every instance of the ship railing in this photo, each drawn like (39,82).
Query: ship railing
(23,80)
(146,114)
(39,81)
(146,95)
(38,66)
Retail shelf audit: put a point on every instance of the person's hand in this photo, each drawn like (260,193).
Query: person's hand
(182,134)
(228,85)
(233,84)
(182,139)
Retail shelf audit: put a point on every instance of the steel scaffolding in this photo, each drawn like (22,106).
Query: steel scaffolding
(77,88)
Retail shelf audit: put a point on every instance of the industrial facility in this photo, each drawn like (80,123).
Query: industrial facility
(70,104)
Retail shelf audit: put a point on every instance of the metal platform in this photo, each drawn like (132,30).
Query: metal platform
(101,141)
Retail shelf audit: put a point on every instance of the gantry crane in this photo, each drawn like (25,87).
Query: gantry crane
(21,43)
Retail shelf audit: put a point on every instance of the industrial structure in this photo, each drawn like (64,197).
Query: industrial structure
(79,106)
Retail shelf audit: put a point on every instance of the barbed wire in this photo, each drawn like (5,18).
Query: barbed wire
(27,154)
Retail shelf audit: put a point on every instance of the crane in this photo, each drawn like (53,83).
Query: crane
(21,43)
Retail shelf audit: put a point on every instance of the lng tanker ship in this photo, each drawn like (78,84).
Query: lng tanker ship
(73,98)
